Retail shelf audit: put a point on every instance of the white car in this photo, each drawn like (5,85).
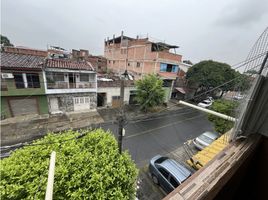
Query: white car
(205,139)
(205,104)
(239,97)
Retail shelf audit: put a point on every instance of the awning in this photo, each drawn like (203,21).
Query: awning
(181,90)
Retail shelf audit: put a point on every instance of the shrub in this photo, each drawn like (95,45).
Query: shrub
(86,168)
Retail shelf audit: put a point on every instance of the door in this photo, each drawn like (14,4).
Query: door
(115,101)
(72,80)
(54,105)
(164,180)
(81,103)
(101,98)
(25,106)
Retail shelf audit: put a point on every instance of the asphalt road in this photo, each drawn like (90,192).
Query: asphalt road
(161,135)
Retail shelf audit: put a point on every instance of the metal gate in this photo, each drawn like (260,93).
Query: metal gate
(25,106)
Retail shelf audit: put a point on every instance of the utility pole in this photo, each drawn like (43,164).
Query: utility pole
(121,117)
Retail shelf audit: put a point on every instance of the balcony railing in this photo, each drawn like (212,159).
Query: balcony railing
(66,85)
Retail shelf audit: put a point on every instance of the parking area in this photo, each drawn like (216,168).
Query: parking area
(150,191)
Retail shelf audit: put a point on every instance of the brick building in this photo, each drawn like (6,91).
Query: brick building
(99,63)
(141,56)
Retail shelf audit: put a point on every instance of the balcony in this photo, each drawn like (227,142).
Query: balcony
(66,85)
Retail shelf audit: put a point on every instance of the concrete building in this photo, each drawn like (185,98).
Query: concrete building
(109,92)
(141,56)
(22,85)
(70,85)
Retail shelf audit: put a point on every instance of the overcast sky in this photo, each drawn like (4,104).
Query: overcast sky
(222,30)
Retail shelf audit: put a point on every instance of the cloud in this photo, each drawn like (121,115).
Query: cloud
(243,13)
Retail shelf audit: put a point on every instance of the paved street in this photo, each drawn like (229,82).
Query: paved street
(161,135)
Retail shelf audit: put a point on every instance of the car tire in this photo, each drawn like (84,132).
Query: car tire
(155,180)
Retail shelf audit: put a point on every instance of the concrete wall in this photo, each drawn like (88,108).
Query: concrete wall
(66,103)
(115,91)
(20,130)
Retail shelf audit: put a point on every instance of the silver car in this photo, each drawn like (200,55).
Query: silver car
(205,139)
(167,172)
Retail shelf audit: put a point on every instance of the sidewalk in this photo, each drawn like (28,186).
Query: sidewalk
(134,112)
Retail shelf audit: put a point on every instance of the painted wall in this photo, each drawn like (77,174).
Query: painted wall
(115,91)
(13,91)
(66,103)
(43,104)
(5,112)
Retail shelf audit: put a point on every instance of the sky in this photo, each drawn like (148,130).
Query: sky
(222,30)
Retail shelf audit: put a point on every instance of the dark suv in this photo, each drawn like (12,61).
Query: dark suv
(167,172)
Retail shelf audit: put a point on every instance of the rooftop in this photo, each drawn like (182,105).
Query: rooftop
(21,61)
(68,64)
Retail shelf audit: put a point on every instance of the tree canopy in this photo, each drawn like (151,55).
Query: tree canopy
(5,41)
(150,92)
(86,168)
(225,107)
(210,73)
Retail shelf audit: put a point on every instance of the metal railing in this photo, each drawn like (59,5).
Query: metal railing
(66,85)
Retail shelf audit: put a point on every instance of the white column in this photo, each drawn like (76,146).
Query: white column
(25,80)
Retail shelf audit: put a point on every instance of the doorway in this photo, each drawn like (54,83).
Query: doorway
(72,80)
(101,99)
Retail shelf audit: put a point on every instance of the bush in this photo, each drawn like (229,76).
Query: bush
(150,92)
(86,168)
(225,107)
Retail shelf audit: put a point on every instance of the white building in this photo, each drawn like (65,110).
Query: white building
(70,85)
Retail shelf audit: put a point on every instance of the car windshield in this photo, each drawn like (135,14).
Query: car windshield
(206,102)
(205,138)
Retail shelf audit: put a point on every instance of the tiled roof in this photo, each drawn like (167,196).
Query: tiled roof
(68,64)
(21,61)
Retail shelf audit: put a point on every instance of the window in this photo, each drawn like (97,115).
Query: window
(19,81)
(164,172)
(173,182)
(169,68)
(33,80)
(82,100)
(86,99)
(53,77)
(138,64)
(84,77)
(113,62)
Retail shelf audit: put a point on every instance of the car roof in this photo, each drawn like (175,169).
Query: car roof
(211,135)
(177,170)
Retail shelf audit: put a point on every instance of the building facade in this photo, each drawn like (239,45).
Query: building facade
(109,93)
(99,63)
(70,86)
(22,85)
(141,57)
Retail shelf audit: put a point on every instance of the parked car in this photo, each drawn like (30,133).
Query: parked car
(205,104)
(238,97)
(167,172)
(205,139)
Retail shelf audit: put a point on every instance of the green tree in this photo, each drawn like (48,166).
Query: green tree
(242,82)
(150,92)
(209,74)
(5,41)
(86,168)
(224,107)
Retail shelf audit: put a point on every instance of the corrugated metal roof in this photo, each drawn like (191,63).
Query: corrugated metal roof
(21,61)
